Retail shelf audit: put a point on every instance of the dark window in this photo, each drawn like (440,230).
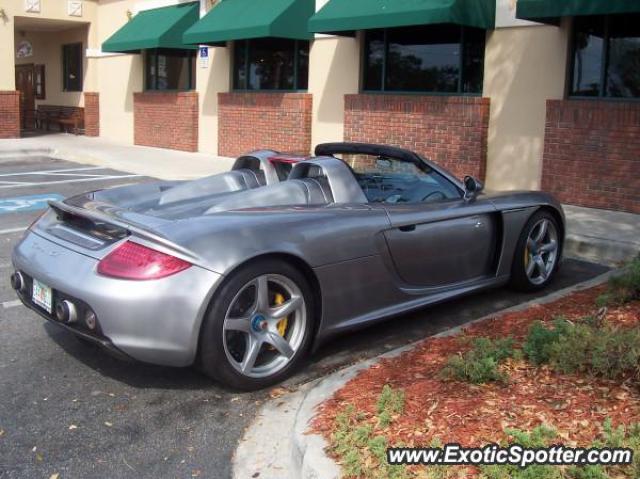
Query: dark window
(72,67)
(271,64)
(606,56)
(433,59)
(389,180)
(170,70)
(39,82)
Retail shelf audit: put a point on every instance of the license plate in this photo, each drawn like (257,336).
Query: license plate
(42,295)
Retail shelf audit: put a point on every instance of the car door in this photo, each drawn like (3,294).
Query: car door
(442,243)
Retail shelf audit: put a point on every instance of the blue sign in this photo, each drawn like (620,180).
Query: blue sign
(204,52)
(20,204)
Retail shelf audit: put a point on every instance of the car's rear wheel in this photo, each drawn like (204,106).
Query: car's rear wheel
(537,254)
(258,327)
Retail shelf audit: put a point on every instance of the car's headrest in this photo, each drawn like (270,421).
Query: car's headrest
(342,183)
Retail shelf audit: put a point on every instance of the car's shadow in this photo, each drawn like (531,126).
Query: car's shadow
(132,373)
(339,351)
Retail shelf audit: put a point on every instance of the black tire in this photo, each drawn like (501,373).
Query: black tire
(213,360)
(519,280)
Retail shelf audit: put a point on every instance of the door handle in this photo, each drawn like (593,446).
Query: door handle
(407,228)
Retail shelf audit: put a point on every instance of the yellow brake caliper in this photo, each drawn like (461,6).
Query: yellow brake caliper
(282,324)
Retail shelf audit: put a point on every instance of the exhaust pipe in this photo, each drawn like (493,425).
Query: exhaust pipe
(66,312)
(17,281)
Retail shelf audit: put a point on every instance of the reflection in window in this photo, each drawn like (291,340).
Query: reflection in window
(170,69)
(438,58)
(623,74)
(271,64)
(606,58)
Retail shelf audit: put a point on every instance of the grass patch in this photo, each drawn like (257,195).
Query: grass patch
(543,436)
(390,404)
(361,447)
(481,363)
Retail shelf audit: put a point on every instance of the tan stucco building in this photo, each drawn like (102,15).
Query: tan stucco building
(520,103)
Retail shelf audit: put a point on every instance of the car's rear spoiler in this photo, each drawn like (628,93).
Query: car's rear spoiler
(63,209)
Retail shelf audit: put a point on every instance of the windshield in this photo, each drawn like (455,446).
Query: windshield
(389,180)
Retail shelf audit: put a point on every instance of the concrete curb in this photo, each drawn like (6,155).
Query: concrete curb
(288,431)
(603,251)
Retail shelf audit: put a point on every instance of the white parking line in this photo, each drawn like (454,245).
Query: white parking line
(12,230)
(11,304)
(12,183)
(46,172)
(77,180)
(72,174)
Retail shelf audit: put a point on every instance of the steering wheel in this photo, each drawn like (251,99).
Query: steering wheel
(437,195)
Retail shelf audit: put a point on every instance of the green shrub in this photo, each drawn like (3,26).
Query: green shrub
(585,347)
(607,352)
(481,363)
(623,288)
(537,346)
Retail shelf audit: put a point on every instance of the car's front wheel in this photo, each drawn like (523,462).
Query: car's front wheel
(537,254)
(258,327)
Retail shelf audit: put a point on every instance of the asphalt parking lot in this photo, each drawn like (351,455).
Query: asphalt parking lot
(71,409)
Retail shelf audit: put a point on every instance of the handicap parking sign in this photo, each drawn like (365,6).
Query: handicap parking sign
(204,57)
(20,204)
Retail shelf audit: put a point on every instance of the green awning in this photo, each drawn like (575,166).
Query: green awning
(349,15)
(157,28)
(537,9)
(244,19)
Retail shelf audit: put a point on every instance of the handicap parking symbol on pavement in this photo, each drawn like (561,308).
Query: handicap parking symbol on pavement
(20,204)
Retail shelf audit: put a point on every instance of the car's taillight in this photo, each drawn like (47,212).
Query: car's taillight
(134,261)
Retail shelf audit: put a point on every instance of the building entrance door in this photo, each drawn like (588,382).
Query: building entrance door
(25,85)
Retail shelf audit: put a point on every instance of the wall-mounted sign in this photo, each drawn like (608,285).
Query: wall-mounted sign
(204,57)
(74,8)
(32,6)
(24,49)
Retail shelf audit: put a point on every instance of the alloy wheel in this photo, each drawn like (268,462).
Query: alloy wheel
(541,253)
(264,326)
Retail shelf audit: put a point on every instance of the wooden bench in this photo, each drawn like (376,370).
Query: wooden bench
(68,118)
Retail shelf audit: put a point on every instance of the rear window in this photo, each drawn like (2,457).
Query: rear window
(389,180)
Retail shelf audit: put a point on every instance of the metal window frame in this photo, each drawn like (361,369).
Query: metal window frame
(247,50)
(384,90)
(154,53)
(604,65)
(65,66)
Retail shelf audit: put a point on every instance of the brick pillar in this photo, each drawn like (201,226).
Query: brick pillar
(91,113)
(254,120)
(166,119)
(9,114)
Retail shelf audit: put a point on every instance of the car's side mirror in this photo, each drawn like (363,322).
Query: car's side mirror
(472,187)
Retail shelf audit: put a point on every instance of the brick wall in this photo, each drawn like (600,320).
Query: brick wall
(592,153)
(256,120)
(91,114)
(449,130)
(166,120)
(9,114)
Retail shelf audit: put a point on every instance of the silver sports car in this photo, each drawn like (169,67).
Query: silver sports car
(242,273)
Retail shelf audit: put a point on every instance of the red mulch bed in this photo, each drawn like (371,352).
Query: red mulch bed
(576,406)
